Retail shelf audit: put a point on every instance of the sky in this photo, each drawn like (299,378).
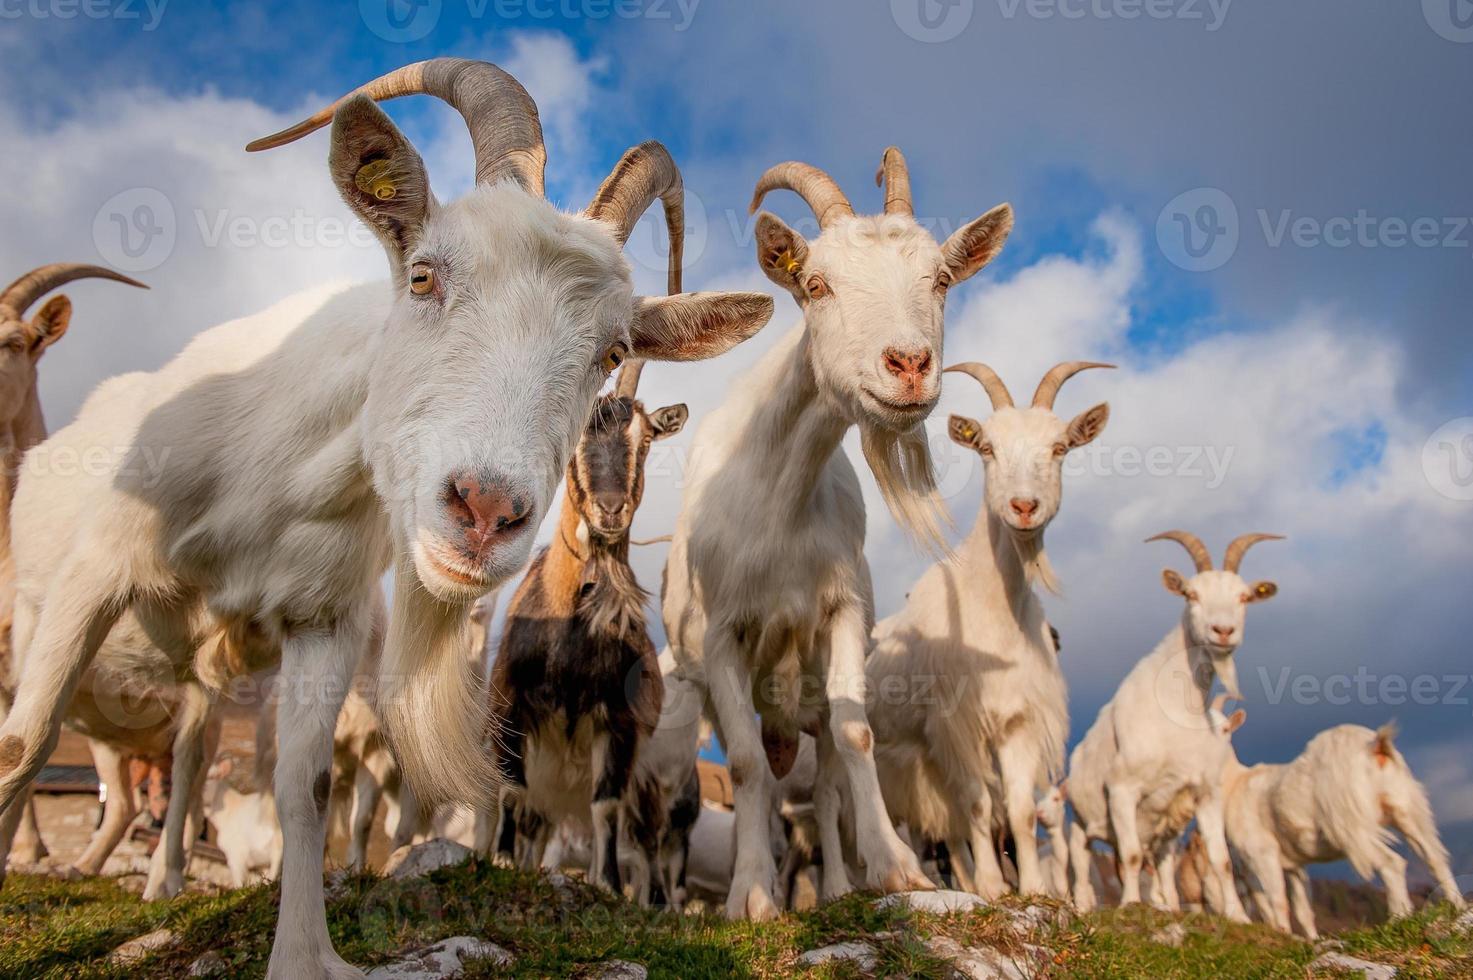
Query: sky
(1260,211)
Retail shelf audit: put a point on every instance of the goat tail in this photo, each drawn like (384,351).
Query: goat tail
(431,702)
(1405,804)
(1350,804)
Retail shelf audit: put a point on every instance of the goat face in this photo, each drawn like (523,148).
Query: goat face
(506,317)
(21,344)
(1217,606)
(606,476)
(1050,808)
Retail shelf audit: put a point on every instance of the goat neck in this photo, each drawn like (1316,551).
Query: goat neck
(991,563)
(795,431)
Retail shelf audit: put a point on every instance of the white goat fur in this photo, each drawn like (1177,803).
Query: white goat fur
(1339,800)
(968,700)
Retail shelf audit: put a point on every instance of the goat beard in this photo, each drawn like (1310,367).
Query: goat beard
(901,463)
(1036,567)
(615,606)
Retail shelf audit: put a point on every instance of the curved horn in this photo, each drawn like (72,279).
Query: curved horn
(1240,546)
(629,374)
(996,390)
(501,116)
(662,539)
(1049,387)
(813,185)
(19,295)
(1200,557)
(894,176)
(644,173)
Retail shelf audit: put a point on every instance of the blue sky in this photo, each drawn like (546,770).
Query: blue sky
(1309,331)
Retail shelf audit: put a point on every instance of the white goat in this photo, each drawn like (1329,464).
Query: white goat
(768,601)
(1153,748)
(1339,800)
(967,699)
(422,423)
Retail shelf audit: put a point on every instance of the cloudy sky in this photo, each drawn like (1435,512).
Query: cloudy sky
(1259,211)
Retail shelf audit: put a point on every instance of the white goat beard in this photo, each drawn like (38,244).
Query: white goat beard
(907,481)
(1036,566)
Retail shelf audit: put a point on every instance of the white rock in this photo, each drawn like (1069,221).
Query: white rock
(1173,935)
(413,860)
(939,902)
(209,965)
(981,963)
(621,970)
(862,954)
(138,948)
(1344,961)
(447,958)
(1029,918)
(1464,922)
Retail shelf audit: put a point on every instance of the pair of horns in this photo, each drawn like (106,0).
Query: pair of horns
(1043,397)
(1203,559)
(21,294)
(507,135)
(821,193)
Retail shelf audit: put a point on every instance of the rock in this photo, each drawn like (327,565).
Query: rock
(136,949)
(447,958)
(411,861)
(1344,961)
(1464,922)
(1026,920)
(620,970)
(209,965)
(1173,935)
(937,902)
(982,963)
(860,954)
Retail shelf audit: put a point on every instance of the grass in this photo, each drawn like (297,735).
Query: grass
(66,929)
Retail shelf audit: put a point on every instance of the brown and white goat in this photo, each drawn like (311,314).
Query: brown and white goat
(576,687)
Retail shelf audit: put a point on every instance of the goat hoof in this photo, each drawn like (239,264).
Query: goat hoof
(752,902)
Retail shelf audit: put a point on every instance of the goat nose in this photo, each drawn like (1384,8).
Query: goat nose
(1223,632)
(486,507)
(609,501)
(1023,507)
(911,367)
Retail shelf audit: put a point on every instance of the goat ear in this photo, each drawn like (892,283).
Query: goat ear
(695,326)
(964,431)
(782,253)
(1087,425)
(380,176)
(1236,719)
(669,420)
(1173,582)
(972,246)
(1262,591)
(50,323)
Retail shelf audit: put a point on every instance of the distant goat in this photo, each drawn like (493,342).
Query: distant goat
(1154,749)
(973,628)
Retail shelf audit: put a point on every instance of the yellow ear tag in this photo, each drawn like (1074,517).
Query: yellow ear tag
(969,433)
(373,178)
(787,262)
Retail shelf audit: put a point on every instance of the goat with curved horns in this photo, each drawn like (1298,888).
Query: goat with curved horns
(1155,742)
(973,626)
(422,423)
(767,586)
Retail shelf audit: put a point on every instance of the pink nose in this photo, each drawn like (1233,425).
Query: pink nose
(1023,507)
(1224,633)
(486,509)
(909,367)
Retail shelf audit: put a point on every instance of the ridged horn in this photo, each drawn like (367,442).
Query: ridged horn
(501,116)
(996,390)
(1048,388)
(814,186)
(1200,556)
(894,177)
(1240,545)
(644,173)
(21,294)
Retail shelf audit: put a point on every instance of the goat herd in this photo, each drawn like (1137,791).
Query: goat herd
(247,497)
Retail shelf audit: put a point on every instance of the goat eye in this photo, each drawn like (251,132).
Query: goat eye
(816,287)
(615,356)
(943,281)
(1060,449)
(421,279)
(985,449)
